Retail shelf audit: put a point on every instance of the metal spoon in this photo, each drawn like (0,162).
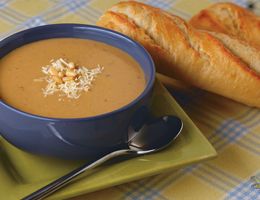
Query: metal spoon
(151,137)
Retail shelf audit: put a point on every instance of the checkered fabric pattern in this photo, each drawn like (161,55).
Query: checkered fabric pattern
(232,128)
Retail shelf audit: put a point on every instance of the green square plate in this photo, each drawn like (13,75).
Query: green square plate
(22,173)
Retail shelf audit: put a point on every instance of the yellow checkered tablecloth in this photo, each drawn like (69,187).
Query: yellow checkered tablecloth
(232,128)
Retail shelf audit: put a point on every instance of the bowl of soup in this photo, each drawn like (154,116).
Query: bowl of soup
(71,90)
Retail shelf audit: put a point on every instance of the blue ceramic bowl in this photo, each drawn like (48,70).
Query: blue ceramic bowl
(78,138)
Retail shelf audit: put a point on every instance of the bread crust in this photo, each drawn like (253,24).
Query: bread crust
(230,19)
(182,52)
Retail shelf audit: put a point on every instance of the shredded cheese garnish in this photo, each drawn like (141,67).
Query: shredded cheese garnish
(67,78)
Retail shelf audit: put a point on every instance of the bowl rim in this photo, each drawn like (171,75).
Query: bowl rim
(146,55)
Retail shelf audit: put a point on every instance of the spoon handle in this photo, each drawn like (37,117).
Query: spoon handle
(64,180)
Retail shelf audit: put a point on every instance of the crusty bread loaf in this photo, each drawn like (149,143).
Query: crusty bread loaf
(230,19)
(196,57)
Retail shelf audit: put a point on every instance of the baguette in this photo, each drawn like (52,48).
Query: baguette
(230,19)
(199,58)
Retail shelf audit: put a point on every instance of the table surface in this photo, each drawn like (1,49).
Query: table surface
(232,128)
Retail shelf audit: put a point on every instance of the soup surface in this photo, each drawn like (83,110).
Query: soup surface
(120,82)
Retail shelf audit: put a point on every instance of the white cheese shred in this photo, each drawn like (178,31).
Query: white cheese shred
(68,79)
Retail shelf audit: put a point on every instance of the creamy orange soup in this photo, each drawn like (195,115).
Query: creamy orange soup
(120,82)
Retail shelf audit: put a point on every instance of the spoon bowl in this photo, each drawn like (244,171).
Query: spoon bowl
(155,135)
